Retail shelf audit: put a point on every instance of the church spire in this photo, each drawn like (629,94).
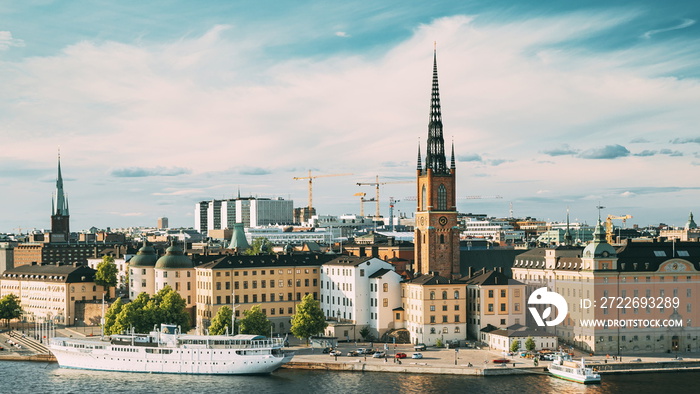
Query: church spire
(452,160)
(435,156)
(419,167)
(568,239)
(60,205)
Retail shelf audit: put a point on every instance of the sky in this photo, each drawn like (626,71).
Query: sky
(157,105)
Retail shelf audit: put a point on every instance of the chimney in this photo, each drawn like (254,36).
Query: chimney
(469,272)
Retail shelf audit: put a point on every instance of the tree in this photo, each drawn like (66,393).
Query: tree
(221,321)
(260,245)
(515,346)
(106,275)
(365,333)
(254,322)
(10,308)
(530,344)
(309,319)
(145,312)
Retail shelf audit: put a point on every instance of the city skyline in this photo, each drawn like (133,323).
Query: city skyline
(549,106)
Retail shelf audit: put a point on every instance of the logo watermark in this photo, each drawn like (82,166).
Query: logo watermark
(542,296)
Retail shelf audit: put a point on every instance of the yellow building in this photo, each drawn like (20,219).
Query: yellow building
(434,309)
(275,282)
(51,291)
(496,300)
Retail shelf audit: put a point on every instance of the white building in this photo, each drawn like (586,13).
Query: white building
(278,236)
(251,211)
(495,229)
(502,340)
(351,293)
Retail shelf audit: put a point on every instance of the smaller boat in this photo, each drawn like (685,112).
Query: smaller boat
(564,367)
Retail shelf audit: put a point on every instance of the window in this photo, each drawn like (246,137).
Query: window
(503,307)
(490,293)
(423,198)
(456,318)
(442,198)
(432,295)
(503,293)
(362,272)
(385,287)
(490,309)
(444,295)
(432,308)
(385,302)
(432,319)
(456,295)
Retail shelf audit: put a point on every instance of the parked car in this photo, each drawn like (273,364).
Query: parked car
(501,361)
(419,347)
(353,353)
(327,350)
(417,355)
(379,355)
(400,355)
(335,353)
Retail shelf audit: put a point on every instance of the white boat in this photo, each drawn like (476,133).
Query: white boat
(168,351)
(565,367)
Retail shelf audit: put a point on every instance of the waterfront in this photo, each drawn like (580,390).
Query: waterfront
(34,377)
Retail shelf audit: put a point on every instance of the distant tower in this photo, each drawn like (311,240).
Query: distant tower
(436,229)
(163,222)
(60,217)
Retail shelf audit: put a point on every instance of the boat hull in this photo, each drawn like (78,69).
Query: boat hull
(575,378)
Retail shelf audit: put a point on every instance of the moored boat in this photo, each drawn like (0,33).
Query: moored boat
(168,351)
(564,367)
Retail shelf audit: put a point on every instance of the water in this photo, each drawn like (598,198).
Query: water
(30,377)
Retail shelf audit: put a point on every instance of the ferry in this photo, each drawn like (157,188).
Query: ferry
(564,367)
(169,351)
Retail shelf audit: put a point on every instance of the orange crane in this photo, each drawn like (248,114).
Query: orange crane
(311,178)
(376,186)
(609,226)
(362,202)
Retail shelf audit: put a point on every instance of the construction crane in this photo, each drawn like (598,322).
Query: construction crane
(609,225)
(376,186)
(392,202)
(311,178)
(362,202)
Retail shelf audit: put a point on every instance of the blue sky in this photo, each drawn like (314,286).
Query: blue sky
(155,106)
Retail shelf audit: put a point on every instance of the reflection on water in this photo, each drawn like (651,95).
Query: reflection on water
(21,377)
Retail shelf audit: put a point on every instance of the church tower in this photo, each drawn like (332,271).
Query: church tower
(436,229)
(60,228)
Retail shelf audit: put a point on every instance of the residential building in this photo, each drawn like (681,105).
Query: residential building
(434,309)
(494,299)
(360,291)
(251,211)
(638,273)
(275,282)
(503,339)
(51,291)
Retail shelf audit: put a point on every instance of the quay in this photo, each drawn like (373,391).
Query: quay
(440,361)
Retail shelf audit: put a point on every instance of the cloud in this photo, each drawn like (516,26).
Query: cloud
(695,140)
(639,140)
(179,192)
(646,153)
(469,157)
(606,152)
(627,194)
(139,172)
(254,171)
(393,164)
(497,162)
(561,151)
(7,41)
(685,23)
(670,152)
(342,34)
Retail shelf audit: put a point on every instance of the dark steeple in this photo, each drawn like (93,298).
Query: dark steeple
(452,161)
(420,166)
(435,157)
(60,204)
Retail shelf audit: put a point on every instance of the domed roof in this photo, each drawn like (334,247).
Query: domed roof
(145,257)
(174,258)
(599,247)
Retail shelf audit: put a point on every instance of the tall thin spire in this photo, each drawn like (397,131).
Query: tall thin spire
(420,166)
(452,160)
(60,205)
(567,235)
(435,156)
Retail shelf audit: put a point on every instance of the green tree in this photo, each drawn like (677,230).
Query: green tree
(145,312)
(309,319)
(111,316)
(10,308)
(255,322)
(221,321)
(260,245)
(515,346)
(530,344)
(106,275)
(365,333)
